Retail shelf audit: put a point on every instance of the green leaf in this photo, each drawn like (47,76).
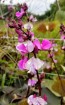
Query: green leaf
(3,80)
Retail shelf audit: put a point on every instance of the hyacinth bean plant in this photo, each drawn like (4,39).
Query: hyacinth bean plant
(29,47)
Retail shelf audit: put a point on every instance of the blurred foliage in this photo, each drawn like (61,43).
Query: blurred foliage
(50,14)
(57,86)
(60,15)
(62,3)
(54,10)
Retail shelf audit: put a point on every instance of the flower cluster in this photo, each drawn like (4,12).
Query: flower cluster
(29,45)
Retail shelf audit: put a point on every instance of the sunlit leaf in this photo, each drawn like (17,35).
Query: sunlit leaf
(63,67)
(23,102)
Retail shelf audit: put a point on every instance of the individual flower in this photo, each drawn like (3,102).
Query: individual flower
(26,47)
(47,65)
(32,18)
(63,37)
(54,60)
(41,76)
(34,64)
(34,100)
(63,47)
(21,63)
(28,26)
(45,97)
(46,44)
(37,44)
(20,35)
(20,38)
(19,14)
(32,82)
(31,34)
(29,46)
(21,48)
(24,6)
(13,24)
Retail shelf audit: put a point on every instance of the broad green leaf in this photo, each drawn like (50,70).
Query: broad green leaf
(3,80)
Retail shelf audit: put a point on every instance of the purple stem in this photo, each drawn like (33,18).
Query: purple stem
(28,90)
(39,82)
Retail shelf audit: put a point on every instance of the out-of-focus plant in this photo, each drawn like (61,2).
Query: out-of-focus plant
(29,48)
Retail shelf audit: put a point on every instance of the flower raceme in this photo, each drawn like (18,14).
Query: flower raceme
(28,44)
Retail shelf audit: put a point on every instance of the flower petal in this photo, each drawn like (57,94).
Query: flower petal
(36,100)
(34,64)
(32,82)
(21,48)
(46,44)
(28,26)
(18,14)
(30,46)
(21,63)
(37,43)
